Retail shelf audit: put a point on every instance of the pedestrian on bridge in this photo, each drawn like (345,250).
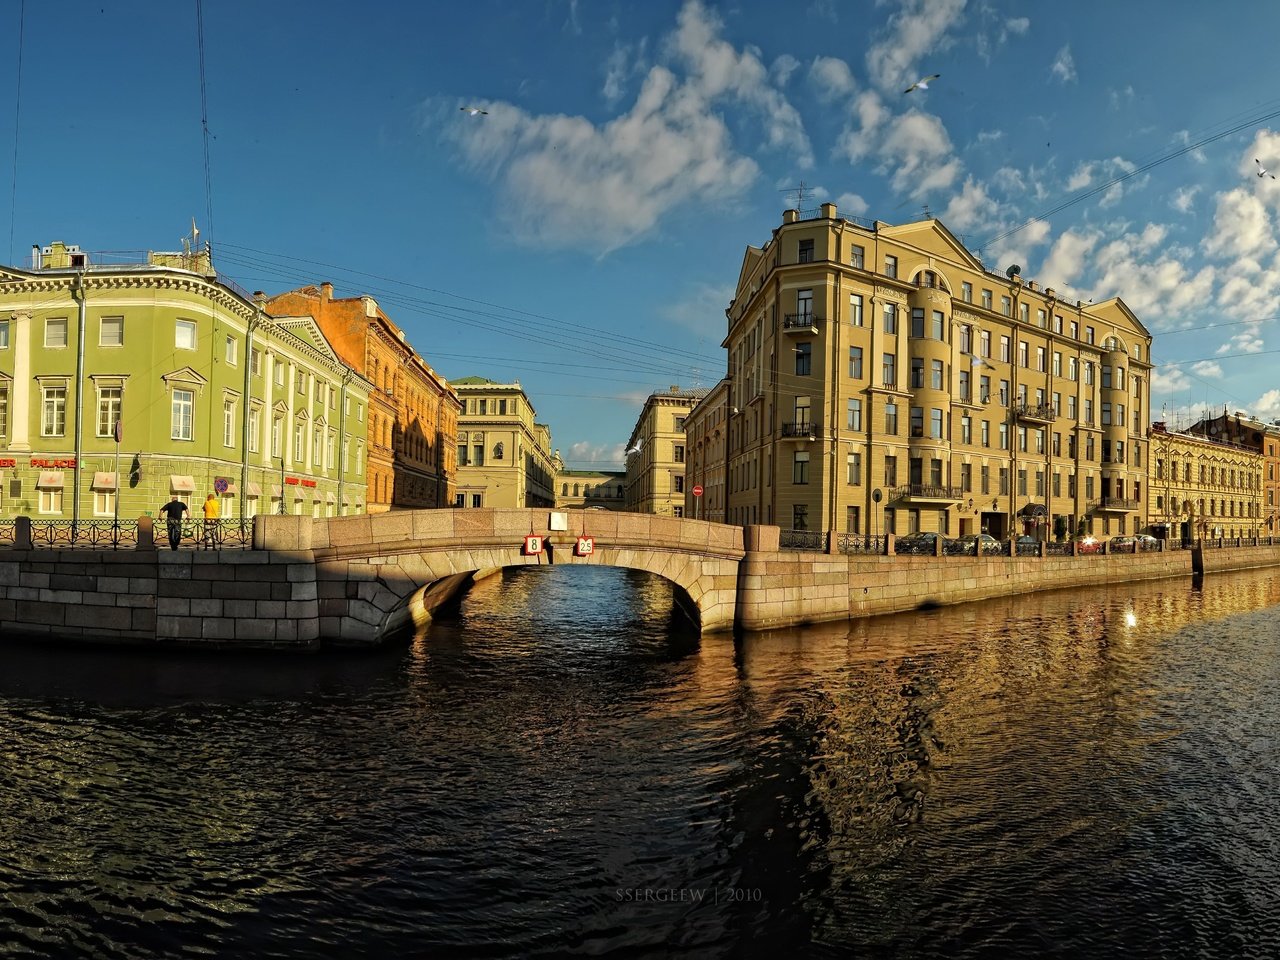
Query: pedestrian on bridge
(212,510)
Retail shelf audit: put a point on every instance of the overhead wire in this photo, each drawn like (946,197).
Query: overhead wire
(204,123)
(17,126)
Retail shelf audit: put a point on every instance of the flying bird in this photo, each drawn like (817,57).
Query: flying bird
(922,84)
(1262,171)
(636,448)
(473,111)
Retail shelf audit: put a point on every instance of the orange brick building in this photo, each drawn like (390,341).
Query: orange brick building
(413,412)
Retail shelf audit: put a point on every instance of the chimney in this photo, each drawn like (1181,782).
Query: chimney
(35,256)
(1049,292)
(790,216)
(828,211)
(326,291)
(1032,285)
(675,388)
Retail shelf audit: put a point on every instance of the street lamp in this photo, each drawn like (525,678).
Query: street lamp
(282,486)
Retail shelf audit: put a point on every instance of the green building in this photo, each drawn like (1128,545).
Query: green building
(210,394)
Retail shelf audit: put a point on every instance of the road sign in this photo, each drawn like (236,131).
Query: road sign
(118,431)
(697,489)
(220,485)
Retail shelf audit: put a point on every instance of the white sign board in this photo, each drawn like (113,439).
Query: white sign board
(559,521)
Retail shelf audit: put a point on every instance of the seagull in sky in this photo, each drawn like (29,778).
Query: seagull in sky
(922,84)
(1262,171)
(636,448)
(474,111)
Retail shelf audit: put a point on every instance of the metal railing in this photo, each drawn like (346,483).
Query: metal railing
(926,491)
(800,321)
(860,543)
(103,534)
(803,428)
(1035,411)
(814,541)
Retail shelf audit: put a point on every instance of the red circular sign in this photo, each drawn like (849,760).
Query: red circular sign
(697,489)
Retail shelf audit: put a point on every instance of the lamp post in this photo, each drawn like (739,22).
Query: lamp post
(117,431)
(282,510)
(77,292)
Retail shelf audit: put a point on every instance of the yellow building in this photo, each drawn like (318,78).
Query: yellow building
(504,455)
(579,489)
(1204,487)
(656,461)
(706,429)
(886,382)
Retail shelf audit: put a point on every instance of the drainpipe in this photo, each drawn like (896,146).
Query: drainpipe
(77,292)
(347,373)
(254,321)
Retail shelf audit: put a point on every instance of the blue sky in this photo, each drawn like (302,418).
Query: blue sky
(585,235)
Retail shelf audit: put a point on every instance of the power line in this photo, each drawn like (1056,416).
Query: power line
(17,115)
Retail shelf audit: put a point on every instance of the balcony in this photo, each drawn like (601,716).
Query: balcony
(801,430)
(1114,505)
(927,493)
(800,323)
(1039,412)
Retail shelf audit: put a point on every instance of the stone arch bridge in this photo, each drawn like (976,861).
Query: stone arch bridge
(375,573)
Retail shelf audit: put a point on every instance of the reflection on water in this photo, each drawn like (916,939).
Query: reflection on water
(560,766)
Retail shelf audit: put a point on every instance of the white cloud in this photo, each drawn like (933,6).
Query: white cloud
(918,28)
(1168,380)
(607,455)
(700,310)
(1183,197)
(1267,406)
(989,136)
(1207,368)
(988,43)
(1066,259)
(1081,178)
(718,70)
(1120,98)
(782,69)
(970,209)
(565,181)
(1064,67)
(871,115)
(919,152)
(625,62)
(852,204)
(832,78)
(1184,137)
(1241,226)
(1247,341)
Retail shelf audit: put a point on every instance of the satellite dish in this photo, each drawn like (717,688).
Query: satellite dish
(1013,271)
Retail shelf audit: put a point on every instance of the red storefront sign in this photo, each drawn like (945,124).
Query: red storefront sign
(53,464)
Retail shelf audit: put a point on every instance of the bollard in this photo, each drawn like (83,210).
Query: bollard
(146,534)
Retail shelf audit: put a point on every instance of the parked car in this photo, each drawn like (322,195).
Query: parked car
(1123,545)
(1088,544)
(917,543)
(1027,546)
(1147,542)
(980,541)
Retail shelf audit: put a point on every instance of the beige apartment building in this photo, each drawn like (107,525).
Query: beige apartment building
(580,489)
(705,435)
(1207,485)
(882,380)
(504,455)
(656,453)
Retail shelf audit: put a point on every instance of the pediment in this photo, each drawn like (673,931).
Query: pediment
(934,238)
(184,375)
(307,330)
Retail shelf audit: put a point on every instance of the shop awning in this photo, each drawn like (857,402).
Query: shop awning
(315,495)
(182,484)
(1033,510)
(104,481)
(276,490)
(232,489)
(50,480)
(252,489)
(330,498)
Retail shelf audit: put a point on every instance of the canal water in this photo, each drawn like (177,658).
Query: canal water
(560,767)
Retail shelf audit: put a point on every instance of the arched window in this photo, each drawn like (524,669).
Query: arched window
(564,490)
(575,489)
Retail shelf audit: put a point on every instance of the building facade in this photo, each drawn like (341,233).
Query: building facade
(210,394)
(886,382)
(579,489)
(504,455)
(413,413)
(1202,486)
(656,453)
(706,429)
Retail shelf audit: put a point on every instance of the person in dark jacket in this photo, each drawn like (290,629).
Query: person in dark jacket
(172,512)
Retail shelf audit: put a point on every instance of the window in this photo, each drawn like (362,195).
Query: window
(53,412)
(891,419)
(935,378)
(935,423)
(1022,354)
(966,338)
(255,361)
(986,299)
(890,266)
(677,453)
(299,442)
(182,415)
(255,428)
(55,332)
(984,389)
(277,436)
(966,429)
(1004,436)
(230,352)
(51,501)
(857,257)
(108,410)
(804,306)
(4,334)
(677,483)
(806,251)
(300,383)
(855,309)
(984,341)
(111,332)
(1040,359)
(319,391)
(917,322)
(966,388)
(359,456)
(917,373)
(104,503)
(228,423)
(855,363)
(799,517)
(889,371)
(966,291)
(804,359)
(890,471)
(4,409)
(279,375)
(184,335)
(855,415)
(800,467)
(1088,334)
(891,318)
(917,421)
(1006,306)
(854,469)
(1006,346)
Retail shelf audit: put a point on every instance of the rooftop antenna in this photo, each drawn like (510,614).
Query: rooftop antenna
(927,215)
(802,193)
